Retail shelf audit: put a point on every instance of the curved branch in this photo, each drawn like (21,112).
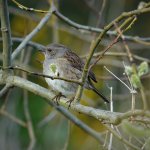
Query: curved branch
(101,115)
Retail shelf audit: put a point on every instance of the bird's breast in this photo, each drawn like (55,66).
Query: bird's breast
(57,70)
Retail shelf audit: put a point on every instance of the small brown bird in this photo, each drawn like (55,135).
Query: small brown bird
(60,61)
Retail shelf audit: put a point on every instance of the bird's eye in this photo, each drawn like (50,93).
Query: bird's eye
(50,50)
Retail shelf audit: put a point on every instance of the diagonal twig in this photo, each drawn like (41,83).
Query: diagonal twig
(33,33)
(43,75)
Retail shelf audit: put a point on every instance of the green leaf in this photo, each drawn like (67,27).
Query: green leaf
(143,69)
(135,80)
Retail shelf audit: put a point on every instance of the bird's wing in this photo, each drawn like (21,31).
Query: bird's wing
(78,63)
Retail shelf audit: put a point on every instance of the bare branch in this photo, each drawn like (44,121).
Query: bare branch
(13,118)
(6,34)
(43,75)
(47,119)
(121,138)
(33,33)
(5,89)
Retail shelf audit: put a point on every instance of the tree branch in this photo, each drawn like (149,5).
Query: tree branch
(13,118)
(5,89)
(43,75)
(6,34)
(33,33)
(101,115)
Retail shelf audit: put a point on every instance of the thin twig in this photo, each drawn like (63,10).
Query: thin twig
(130,89)
(146,144)
(121,138)
(99,23)
(120,54)
(111,110)
(44,20)
(47,119)
(120,135)
(13,118)
(43,75)
(142,42)
(104,51)
(105,140)
(5,89)
(29,9)
(3,107)
(129,54)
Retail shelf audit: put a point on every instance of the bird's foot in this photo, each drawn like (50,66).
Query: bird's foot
(57,97)
(70,101)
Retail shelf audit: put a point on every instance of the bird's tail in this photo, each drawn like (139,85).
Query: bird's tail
(97,92)
(100,94)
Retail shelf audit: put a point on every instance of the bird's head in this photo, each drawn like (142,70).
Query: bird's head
(54,51)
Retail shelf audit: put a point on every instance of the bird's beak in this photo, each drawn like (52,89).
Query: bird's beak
(42,49)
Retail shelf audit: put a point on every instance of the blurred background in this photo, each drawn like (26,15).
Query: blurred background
(53,131)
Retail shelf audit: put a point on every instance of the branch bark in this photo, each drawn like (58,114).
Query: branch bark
(6,34)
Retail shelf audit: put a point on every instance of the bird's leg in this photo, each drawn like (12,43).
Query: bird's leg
(70,101)
(57,97)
